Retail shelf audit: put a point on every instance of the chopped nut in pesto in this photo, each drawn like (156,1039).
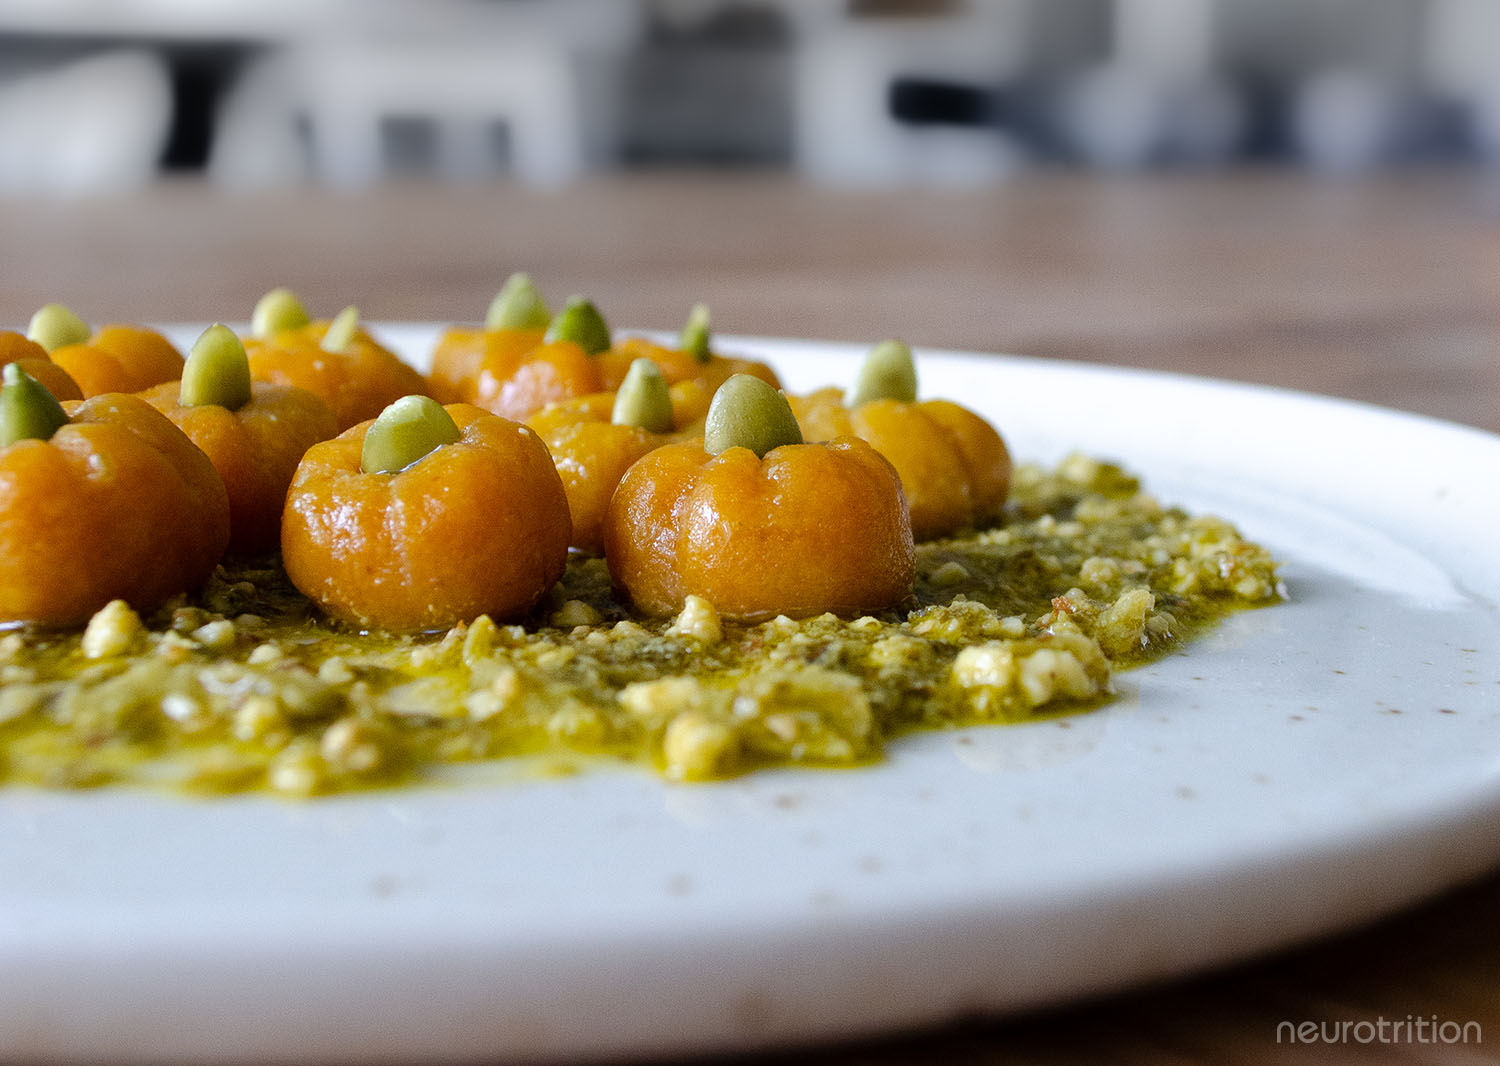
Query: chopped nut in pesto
(246,687)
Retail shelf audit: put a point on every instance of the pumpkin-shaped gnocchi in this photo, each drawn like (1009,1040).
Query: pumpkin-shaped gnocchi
(953,464)
(594,439)
(425,517)
(115,358)
(337,361)
(757,522)
(33,358)
(254,433)
(100,499)
(524,358)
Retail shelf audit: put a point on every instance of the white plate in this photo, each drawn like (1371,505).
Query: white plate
(1302,768)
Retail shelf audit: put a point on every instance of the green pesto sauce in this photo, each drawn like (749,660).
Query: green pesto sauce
(244,687)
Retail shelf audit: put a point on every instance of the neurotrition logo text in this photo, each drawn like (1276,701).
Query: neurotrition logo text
(1413,1029)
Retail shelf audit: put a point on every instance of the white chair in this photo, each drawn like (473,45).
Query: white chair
(461,89)
(1158,97)
(93,126)
(845,133)
(462,68)
(1461,61)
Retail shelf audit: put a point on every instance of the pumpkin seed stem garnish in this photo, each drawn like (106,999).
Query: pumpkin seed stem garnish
(746,412)
(643,399)
(888,373)
(277,311)
(695,335)
(518,305)
(580,322)
(55,326)
(216,372)
(342,330)
(27,410)
(406,431)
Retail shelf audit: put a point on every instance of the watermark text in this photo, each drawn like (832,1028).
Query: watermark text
(1413,1029)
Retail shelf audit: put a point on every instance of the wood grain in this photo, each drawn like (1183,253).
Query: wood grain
(1386,290)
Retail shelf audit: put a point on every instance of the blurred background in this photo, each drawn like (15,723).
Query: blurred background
(1297,192)
(96,95)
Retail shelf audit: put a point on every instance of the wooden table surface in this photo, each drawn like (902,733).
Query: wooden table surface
(1386,290)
